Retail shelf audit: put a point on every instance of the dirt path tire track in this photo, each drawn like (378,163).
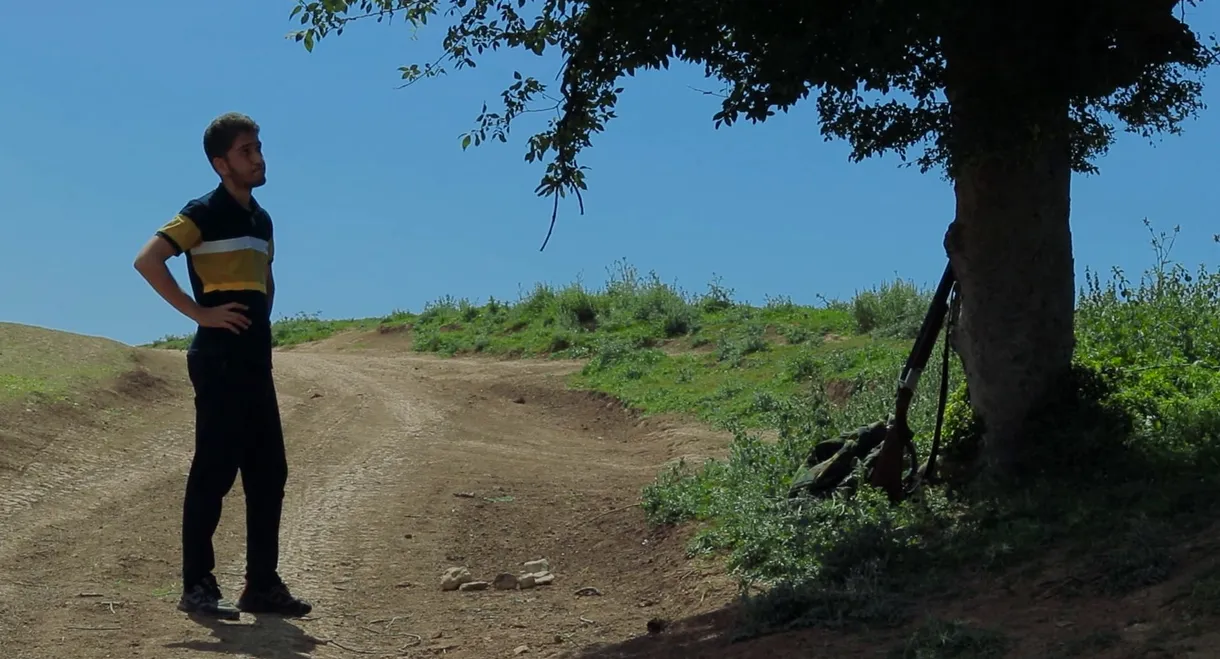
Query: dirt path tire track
(378,445)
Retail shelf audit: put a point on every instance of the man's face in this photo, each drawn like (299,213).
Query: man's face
(244,163)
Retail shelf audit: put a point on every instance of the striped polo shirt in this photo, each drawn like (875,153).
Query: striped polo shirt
(228,249)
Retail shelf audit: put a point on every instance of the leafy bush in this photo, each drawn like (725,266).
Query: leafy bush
(892,310)
(736,344)
(565,321)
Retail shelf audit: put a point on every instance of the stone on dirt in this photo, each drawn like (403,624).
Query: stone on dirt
(540,565)
(455,577)
(505,581)
(521,649)
(474,585)
(531,580)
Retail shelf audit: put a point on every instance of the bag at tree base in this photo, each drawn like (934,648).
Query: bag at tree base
(834,464)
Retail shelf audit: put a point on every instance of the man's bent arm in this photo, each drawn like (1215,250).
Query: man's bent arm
(270,290)
(151,264)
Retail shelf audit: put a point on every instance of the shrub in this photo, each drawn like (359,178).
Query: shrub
(892,310)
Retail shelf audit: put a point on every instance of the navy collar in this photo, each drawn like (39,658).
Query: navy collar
(230,200)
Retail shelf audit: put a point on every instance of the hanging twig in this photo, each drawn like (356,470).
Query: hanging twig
(549,231)
(555,213)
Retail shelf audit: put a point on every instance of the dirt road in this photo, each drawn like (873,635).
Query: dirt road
(400,467)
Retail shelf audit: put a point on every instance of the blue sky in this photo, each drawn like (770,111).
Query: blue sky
(377,208)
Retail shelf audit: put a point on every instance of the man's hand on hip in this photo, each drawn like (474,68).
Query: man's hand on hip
(226,316)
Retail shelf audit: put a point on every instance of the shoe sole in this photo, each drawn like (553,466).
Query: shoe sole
(216,615)
(278,612)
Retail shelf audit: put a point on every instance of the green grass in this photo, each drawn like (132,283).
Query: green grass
(50,365)
(745,379)
(1129,445)
(940,639)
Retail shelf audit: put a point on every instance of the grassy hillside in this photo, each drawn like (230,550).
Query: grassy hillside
(36,362)
(1127,450)
(661,349)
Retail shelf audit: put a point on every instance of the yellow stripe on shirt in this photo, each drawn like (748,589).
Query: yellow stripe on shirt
(241,269)
(236,286)
(183,231)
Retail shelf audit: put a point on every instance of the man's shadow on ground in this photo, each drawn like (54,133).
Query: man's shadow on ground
(270,637)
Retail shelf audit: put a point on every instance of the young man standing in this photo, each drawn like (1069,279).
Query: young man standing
(229,247)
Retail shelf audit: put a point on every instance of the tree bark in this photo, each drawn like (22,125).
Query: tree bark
(1011,249)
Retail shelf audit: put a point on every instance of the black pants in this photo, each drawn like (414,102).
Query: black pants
(237,427)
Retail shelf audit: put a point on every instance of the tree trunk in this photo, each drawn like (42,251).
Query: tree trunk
(1011,250)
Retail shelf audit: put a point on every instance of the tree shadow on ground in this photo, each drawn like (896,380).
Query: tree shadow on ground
(270,637)
(713,635)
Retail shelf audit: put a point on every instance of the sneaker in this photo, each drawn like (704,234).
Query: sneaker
(204,598)
(273,598)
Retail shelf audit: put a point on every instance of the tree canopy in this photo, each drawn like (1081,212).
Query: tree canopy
(885,74)
(1007,98)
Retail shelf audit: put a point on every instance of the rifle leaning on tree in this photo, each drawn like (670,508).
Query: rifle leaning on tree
(887,469)
(832,464)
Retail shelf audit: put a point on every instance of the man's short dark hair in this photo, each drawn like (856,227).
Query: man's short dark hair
(219,136)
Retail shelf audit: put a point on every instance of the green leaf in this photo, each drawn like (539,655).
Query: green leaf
(465,141)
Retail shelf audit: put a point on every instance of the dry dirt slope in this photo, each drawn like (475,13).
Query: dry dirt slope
(380,442)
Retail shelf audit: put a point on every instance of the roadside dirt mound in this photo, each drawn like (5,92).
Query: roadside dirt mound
(62,387)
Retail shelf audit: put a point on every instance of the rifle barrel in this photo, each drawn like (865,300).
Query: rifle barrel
(928,331)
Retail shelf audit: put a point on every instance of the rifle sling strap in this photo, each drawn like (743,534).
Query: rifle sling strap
(929,474)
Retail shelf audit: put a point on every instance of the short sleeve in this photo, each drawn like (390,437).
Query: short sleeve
(182,231)
(270,241)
